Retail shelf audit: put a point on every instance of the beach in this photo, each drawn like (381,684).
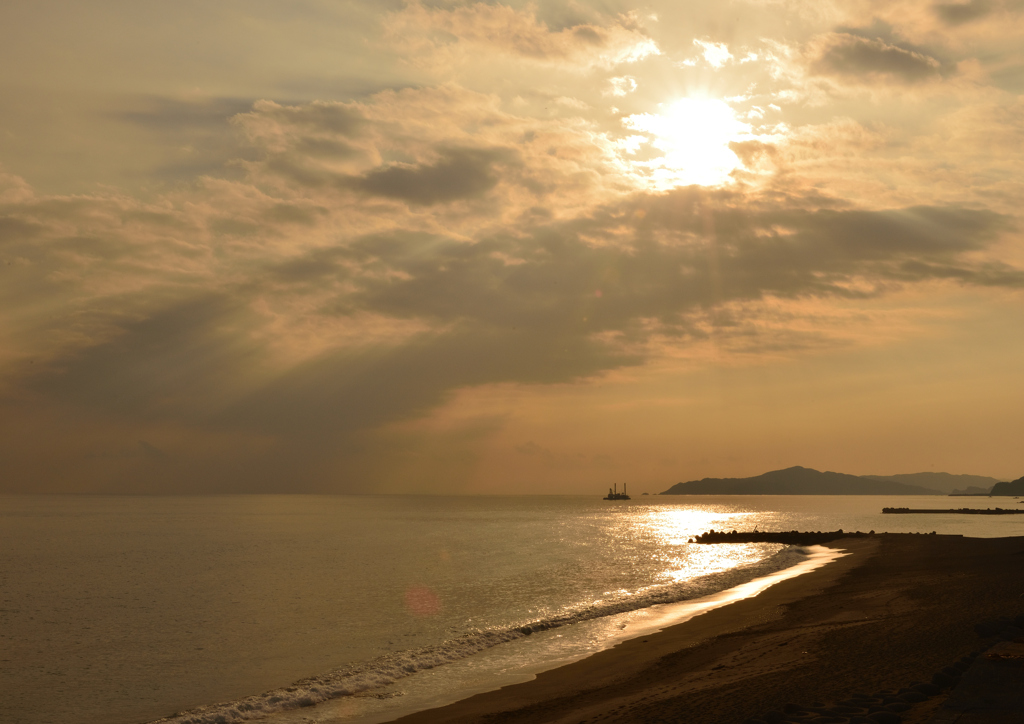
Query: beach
(891,614)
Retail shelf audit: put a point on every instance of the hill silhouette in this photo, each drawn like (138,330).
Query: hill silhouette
(946,482)
(1015,487)
(798,481)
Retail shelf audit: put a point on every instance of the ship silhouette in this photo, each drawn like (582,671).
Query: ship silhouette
(616,495)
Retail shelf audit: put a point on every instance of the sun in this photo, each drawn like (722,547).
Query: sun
(693,136)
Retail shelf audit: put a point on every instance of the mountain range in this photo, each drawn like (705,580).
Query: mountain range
(806,481)
(944,482)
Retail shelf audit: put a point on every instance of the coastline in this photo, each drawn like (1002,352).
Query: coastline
(892,613)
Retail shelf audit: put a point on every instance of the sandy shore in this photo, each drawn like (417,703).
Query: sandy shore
(894,612)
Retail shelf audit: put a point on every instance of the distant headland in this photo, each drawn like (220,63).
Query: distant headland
(1015,487)
(806,481)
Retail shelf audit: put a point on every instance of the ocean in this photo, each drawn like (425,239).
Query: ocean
(302,608)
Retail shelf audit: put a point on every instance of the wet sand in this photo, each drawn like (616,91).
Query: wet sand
(896,611)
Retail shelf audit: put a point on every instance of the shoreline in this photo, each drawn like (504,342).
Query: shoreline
(659,618)
(896,609)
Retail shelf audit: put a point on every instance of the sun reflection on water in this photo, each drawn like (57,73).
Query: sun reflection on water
(667,531)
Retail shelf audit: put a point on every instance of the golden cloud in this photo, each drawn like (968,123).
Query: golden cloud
(441,37)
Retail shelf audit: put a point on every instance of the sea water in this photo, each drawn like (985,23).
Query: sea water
(124,610)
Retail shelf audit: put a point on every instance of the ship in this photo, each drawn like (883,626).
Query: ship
(616,495)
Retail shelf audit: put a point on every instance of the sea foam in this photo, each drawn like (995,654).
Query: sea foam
(388,669)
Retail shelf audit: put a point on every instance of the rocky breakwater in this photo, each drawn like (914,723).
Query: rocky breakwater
(793,537)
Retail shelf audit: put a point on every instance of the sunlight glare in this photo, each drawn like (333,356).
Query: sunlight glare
(674,526)
(693,135)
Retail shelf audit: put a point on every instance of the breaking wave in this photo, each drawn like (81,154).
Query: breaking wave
(386,670)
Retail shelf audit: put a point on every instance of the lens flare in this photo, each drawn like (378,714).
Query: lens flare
(421,601)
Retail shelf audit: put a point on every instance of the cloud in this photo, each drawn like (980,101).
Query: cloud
(751,152)
(335,280)
(379,257)
(13,229)
(715,54)
(457,174)
(853,56)
(334,118)
(532,449)
(552,303)
(621,86)
(961,13)
(319,128)
(440,35)
(428,147)
(555,273)
(197,128)
(152,451)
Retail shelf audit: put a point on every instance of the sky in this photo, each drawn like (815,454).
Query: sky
(400,246)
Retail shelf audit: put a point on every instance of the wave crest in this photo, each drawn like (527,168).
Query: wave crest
(388,669)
